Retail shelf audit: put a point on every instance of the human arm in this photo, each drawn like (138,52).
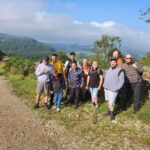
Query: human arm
(100,82)
(121,78)
(138,68)
(39,71)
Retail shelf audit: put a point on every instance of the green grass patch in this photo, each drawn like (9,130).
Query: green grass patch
(90,123)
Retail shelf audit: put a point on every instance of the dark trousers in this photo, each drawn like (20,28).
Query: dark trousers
(135,89)
(74,95)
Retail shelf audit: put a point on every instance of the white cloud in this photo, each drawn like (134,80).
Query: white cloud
(30,18)
(107,24)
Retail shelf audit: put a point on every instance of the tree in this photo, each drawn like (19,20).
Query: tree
(106,44)
(62,56)
(145,13)
(145,60)
(2,55)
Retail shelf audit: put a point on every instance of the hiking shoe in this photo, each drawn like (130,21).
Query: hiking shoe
(36,106)
(112,116)
(47,106)
(107,113)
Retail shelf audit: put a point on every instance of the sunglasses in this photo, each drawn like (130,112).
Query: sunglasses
(128,58)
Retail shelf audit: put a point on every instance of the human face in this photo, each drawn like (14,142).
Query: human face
(128,58)
(85,62)
(54,58)
(95,64)
(113,64)
(72,57)
(116,54)
(45,62)
(74,66)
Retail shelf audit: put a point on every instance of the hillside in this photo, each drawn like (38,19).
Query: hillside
(15,45)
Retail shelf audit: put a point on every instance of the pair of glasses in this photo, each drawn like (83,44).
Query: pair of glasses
(128,58)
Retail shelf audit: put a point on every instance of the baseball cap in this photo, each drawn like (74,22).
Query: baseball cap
(113,59)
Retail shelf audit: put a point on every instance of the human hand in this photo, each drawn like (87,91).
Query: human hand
(134,65)
(99,88)
(51,92)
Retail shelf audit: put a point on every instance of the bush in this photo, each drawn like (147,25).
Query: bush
(19,65)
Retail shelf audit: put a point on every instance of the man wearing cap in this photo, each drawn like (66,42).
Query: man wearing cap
(133,79)
(113,82)
(43,72)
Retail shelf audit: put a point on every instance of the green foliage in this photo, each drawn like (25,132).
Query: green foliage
(19,65)
(144,15)
(101,62)
(145,60)
(105,44)
(14,45)
(2,55)
(62,56)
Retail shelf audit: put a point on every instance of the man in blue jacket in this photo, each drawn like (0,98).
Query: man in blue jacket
(113,82)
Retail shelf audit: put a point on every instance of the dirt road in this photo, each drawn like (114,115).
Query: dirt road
(22,129)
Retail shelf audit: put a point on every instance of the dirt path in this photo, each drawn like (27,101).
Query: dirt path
(21,129)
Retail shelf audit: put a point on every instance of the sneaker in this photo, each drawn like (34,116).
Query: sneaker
(92,104)
(36,106)
(112,116)
(107,113)
(54,107)
(58,109)
(96,106)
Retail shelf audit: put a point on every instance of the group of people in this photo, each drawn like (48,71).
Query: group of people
(77,81)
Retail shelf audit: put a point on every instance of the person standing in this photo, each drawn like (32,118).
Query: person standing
(57,87)
(86,69)
(57,64)
(69,62)
(116,55)
(94,82)
(43,72)
(75,82)
(67,67)
(113,82)
(133,79)
(58,68)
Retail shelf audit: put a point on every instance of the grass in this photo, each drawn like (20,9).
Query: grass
(129,132)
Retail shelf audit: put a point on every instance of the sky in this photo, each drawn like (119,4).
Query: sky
(77,21)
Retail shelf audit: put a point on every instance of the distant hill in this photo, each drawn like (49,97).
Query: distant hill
(71,47)
(16,45)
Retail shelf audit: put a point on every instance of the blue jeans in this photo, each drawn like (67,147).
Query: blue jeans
(57,99)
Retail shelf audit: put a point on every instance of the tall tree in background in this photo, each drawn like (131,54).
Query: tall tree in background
(106,44)
(145,15)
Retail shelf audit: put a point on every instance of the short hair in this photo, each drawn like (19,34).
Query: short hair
(54,54)
(72,53)
(46,58)
(113,59)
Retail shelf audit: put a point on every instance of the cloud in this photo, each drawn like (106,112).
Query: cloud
(107,24)
(30,18)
